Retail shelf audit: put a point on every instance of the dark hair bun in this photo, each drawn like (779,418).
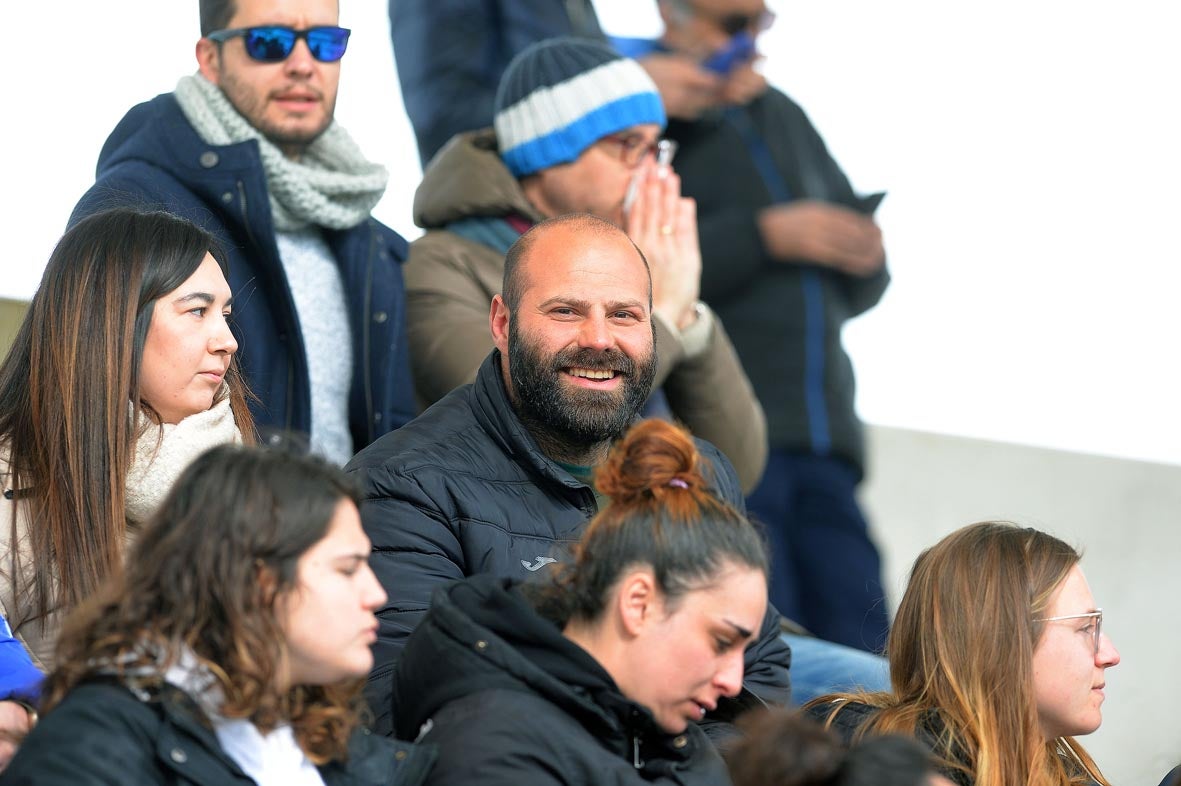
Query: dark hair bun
(655,458)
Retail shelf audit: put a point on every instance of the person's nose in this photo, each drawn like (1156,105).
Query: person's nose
(728,680)
(374,596)
(300,62)
(1107,655)
(595,333)
(222,341)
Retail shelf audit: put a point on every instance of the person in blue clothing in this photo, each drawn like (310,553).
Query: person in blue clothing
(247,147)
(20,685)
(789,254)
(450,56)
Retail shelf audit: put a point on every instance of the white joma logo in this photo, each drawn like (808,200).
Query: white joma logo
(541,563)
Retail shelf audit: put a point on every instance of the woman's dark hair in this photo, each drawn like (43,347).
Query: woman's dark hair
(662,515)
(203,577)
(70,394)
(782,748)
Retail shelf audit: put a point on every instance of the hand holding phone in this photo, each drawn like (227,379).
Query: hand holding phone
(739,50)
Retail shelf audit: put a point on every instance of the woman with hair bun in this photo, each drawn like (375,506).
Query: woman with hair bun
(997,659)
(601,673)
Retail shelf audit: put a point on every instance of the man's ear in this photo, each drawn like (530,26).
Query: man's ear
(209,60)
(498,319)
(638,600)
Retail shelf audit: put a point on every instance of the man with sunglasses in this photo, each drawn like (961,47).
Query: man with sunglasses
(248,148)
(576,132)
(790,252)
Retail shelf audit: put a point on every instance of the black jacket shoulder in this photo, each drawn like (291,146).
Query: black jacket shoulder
(509,700)
(105,734)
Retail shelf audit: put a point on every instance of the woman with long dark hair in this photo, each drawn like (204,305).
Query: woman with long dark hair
(232,649)
(601,675)
(997,659)
(121,373)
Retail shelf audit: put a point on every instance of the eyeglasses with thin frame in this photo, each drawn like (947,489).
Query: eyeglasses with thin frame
(633,148)
(1097,615)
(274,43)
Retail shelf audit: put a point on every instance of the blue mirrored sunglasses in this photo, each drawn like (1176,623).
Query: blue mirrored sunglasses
(273,43)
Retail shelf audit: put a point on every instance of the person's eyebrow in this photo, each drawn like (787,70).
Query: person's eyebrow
(741,631)
(568,301)
(202,297)
(623,305)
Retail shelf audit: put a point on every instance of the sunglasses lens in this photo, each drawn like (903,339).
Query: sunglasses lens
(269,44)
(327,43)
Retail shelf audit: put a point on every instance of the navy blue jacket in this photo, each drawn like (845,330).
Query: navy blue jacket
(154,159)
(452,53)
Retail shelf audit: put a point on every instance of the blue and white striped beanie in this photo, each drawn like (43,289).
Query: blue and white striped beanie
(560,96)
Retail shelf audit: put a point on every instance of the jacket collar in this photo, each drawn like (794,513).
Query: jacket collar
(494,411)
(372,761)
(467,178)
(157,133)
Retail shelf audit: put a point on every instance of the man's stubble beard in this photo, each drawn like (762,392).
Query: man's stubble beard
(252,108)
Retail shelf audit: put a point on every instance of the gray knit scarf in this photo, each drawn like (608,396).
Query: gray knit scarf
(332,185)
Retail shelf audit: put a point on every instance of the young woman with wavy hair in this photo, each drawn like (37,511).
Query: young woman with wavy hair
(601,675)
(232,649)
(997,660)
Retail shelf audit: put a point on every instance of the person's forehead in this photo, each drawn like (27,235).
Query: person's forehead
(648,132)
(290,12)
(1074,595)
(588,263)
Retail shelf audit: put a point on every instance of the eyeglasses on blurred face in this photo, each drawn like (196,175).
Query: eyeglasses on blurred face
(633,148)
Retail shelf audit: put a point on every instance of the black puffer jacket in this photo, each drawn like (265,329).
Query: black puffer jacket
(464,490)
(102,734)
(508,699)
(850,719)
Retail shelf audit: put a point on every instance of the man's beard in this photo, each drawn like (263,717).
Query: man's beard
(571,418)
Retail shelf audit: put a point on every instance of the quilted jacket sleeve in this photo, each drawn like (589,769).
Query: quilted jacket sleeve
(415,550)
